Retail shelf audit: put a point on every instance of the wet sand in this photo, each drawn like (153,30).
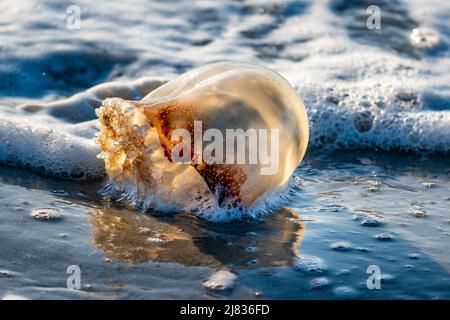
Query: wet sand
(385,210)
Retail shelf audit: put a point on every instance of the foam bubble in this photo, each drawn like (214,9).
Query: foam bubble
(221,280)
(12,296)
(341,246)
(424,37)
(384,237)
(319,283)
(46,214)
(310,264)
(4,273)
(344,292)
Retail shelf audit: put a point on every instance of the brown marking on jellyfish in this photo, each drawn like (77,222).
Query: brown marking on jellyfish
(225,180)
(168,118)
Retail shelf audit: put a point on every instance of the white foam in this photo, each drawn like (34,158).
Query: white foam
(41,148)
(221,280)
(311,48)
(57,138)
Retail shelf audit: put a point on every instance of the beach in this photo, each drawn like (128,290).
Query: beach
(372,193)
(343,226)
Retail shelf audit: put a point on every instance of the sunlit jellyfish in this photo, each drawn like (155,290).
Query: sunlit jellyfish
(220,142)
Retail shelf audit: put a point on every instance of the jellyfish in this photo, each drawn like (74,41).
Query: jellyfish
(220,142)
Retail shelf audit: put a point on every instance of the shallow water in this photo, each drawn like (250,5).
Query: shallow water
(363,89)
(349,215)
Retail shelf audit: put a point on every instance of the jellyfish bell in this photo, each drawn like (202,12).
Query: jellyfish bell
(240,131)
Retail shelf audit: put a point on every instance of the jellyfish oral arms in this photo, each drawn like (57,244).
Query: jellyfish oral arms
(213,141)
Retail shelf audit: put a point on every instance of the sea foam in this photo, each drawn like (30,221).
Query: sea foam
(385,89)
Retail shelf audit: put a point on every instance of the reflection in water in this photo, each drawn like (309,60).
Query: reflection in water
(131,237)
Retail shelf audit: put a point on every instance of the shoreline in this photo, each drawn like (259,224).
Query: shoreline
(347,221)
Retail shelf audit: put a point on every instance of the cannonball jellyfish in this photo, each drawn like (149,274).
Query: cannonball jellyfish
(220,142)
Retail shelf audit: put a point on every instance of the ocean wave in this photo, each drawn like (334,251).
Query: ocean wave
(386,89)
(57,138)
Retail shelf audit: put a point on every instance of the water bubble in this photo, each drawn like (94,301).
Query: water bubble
(341,246)
(386,277)
(144,230)
(310,264)
(370,222)
(373,189)
(414,255)
(257,293)
(155,240)
(88,287)
(221,280)
(383,237)
(363,121)
(319,283)
(46,214)
(253,262)
(4,273)
(343,272)
(250,249)
(344,292)
(59,192)
(417,213)
(365,161)
(332,208)
(380,103)
(405,94)
(429,184)
(332,99)
(424,37)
